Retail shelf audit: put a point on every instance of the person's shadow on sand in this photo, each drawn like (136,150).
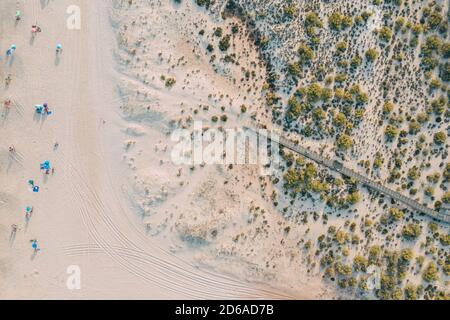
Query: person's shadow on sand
(10,60)
(33,255)
(12,237)
(5,115)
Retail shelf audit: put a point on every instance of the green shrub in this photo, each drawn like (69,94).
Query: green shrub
(439,138)
(338,21)
(388,107)
(396,214)
(204,3)
(411,231)
(290,11)
(444,71)
(371,55)
(356,61)
(314,92)
(306,54)
(341,46)
(218,32)
(340,77)
(446,197)
(344,142)
(431,273)
(445,50)
(390,132)
(340,120)
(294,69)
(446,173)
(224,43)
(434,20)
(385,34)
(313,20)
(445,239)
(170,82)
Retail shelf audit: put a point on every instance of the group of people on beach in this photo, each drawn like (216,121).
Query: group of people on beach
(42,109)
(35,29)
(15,228)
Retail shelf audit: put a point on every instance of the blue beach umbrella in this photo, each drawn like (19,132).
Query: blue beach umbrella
(45,165)
(11,50)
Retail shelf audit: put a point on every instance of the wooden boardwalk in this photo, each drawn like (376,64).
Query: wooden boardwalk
(369,183)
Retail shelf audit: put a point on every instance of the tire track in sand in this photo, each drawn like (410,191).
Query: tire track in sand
(179,277)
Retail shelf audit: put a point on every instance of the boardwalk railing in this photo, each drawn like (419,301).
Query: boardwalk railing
(369,183)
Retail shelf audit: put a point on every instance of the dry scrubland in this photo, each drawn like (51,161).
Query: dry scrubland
(364,81)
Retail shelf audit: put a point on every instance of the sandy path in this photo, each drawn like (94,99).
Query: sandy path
(80,217)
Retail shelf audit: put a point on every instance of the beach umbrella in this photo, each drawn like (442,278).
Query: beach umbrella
(39,108)
(45,165)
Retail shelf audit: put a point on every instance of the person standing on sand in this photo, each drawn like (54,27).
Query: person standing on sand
(7,104)
(46,109)
(8,80)
(34,245)
(28,213)
(35,29)
(11,50)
